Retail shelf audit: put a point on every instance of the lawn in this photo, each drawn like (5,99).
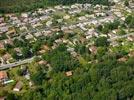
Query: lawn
(13,75)
(82,61)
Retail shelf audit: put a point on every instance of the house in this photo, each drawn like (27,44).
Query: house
(29,36)
(1,45)
(63,28)
(68,31)
(23,28)
(66,17)
(55,29)
(74,54)
(116,1)
(37,25)
(58,7)
(1,19)
(42,62)
(82,18)
(25,15)
(11,32)
(2,98)
(90,33)
(64,40)
(54,46)
(71,27)
(100,14)
(6,57)
(9,41)
(41,51)
(45,47)
(114,43)
(2,24)
(30,84)
(69,73)
(70,49)
(122,59)
(58,41)
(131,53)
(3,76)
(43,18)
(18,51)
(18,86)
(46,33)
(93,49)
(3,28)
(131,38)
(59,20)
(37,34)
(65,7)
(49,23)
(118,14)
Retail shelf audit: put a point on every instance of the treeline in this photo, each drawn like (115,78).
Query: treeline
(9,6)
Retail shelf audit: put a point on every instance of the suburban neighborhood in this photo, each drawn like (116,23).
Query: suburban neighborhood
(27,38)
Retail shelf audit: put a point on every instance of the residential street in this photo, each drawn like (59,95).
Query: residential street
(11,65)
(118,37)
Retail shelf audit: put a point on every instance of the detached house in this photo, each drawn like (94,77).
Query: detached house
(3,76)
(123,59)
(11,33)
(6,58)
(1,45)
(93,49)
(69,73)
(131,38)
(18,86)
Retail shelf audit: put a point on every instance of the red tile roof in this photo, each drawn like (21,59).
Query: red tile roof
(3,75)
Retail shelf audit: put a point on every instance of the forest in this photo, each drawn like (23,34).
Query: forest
(10,6)
(105,78)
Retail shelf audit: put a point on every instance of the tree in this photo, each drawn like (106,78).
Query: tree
(80,48)
(26,52)
(60,59)
(14,55)
(18,43)
(121,32)
(101,41)
(105,30)
(38,77)
(126,3)
(36,47)
(99,28)
(128,19)
(11,96)
(131,25)
(8,47)
(2,52)
(100,52)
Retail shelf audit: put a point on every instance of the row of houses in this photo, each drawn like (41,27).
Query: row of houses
(28,23)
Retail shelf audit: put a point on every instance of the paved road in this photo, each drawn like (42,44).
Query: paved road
(11,65)
(119,37)
(49,28)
